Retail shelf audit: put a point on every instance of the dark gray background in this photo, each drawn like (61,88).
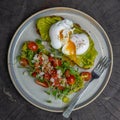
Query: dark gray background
(13,13)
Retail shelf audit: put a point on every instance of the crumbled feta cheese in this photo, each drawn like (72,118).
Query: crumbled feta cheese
(36,57)
(33,61)
(41,73)
(59,72)
(51,55)
(52,80)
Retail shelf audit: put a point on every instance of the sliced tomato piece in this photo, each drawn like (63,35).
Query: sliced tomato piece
(32,46)
(86,76)
(54,71)
(34,74)
(44,84)
(71,79)
(54,74)
(38,70)
(24,62)
(47,76)
(60,87)
(56,62)
(36,64)
(67,73)
(51,59)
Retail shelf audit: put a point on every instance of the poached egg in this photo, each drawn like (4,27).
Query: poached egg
(62,36)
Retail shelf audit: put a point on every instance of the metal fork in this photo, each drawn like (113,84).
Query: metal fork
(96,73)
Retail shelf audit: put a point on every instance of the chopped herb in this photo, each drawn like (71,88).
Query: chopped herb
(48,101)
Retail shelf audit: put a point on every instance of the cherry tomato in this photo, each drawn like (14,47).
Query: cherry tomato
(67,73)
(32,46)
(86,76)
(54,74)
(24,62)
(34,74)
(51,59)
(71,79)
(56,62)
(56,83)
(40,61)
(36,64)
(47,76)
(38,70)
(44,84)
(54,71)
(60,87)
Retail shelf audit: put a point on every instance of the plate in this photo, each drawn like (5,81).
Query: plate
(25,84)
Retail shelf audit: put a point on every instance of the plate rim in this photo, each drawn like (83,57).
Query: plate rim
(65,8)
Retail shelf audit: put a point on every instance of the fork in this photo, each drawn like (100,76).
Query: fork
(103,63)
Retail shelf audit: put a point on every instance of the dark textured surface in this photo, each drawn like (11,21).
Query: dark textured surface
(13,13)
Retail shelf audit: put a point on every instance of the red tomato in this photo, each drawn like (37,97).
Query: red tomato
(38,70)
(36,64)
(67,73)
(54,74)
(24,62)
(60,87)
(54,71)
(71,79)
(34,74)
(86,76)
(56,63)
(40,61)
(47,76)
(56,83)
(32,46)
(51,59)
(44,84)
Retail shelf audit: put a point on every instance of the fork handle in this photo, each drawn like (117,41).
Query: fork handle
(74,102)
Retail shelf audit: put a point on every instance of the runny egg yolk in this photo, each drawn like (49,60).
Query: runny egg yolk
(71,47)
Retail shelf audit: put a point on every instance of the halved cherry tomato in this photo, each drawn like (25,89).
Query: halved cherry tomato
(71,79)
(60,87)
(24,62)
(32,46)
(56,62)
(86,76)
(67,73)
(57,84)
(44,84)
(54,74)
(36,64)
(51,59)
(47,76)
(54,71)
(34,74)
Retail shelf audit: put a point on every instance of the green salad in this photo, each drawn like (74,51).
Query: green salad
(50,69)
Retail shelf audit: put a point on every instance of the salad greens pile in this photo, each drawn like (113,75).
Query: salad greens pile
(50,70)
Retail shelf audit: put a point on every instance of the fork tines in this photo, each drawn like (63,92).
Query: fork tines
(102,64)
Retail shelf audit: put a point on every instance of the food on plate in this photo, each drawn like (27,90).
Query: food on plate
(55,60)
(68,38)
(50,69)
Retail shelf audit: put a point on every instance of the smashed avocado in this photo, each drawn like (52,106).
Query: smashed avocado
(85,60)
(43,25)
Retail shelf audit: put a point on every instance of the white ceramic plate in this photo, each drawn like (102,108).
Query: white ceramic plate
(25,84)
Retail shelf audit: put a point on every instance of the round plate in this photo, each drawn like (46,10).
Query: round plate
(25,84)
